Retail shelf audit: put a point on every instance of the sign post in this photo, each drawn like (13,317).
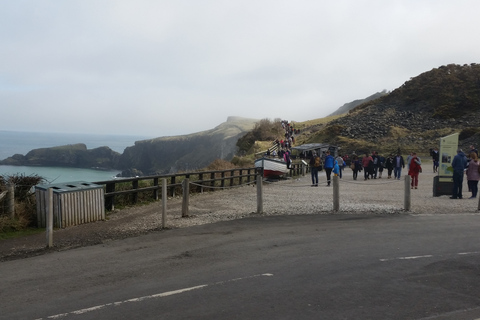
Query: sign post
(443,183)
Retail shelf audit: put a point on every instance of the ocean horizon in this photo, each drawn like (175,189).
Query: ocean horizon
(21,142)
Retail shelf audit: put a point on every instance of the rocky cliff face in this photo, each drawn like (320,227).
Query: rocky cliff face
(185,153)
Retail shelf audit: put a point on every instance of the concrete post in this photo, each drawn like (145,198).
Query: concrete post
(407,196)
(260,192)
(49,230)
(11,200)
(336,193)
(186,197)
(164,202)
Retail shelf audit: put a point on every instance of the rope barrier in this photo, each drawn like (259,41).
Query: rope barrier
(229,187)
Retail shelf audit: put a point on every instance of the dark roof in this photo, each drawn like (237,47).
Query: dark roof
(313,146)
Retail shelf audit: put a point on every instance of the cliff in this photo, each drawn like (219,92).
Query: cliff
(186,152)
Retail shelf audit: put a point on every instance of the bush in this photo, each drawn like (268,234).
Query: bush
(25,204)
(264,130)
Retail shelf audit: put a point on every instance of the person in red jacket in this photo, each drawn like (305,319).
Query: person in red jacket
(414,170)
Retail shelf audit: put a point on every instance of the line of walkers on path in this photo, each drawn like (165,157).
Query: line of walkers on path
(372,165)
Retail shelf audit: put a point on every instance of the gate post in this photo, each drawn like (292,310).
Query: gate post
(407,198)
(11,200)
(336,193)
(186,197)
(259,191)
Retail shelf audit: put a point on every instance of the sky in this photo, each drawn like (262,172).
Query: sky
(162,68)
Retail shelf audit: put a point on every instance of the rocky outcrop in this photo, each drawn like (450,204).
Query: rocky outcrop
(76,155)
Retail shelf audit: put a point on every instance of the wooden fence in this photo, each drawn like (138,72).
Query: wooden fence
(200,181)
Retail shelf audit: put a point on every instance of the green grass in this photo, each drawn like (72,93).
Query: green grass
(21,233)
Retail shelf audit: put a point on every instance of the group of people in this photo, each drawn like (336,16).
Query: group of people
(372,165)
(469,166)
(330,164)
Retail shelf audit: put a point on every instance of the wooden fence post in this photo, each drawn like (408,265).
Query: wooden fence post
(164,202)
(155,192)
(259,192)
(50,218)
(110,200)
(186,197)
(11,200)
(407,198)
(336,193)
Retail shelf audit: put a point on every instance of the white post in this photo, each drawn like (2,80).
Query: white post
(186,197)
(259,192)
(407,198)
(11,199)
(164,202)
(336,193)
(50,218)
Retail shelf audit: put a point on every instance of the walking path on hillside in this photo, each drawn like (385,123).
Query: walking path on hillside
(293,196)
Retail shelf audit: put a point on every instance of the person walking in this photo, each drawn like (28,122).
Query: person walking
(341,165)
(356,166)
(414,169)
(389,165)
(376,162)
(367,164)
(315,164)
(459,164)
(381,165)
(435,159)
(473,175)
(329,163)
(399,164)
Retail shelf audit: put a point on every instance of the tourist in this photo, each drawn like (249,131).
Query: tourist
(286,158)
(399,164)
(356,166)
(414,169)
(473,149)
(389,165)
(375,164)
(381,165)
(435,159)
(473,174)
(367,164)
(459,164)
(409,158)
(315,164)
(341,165)
(328,164)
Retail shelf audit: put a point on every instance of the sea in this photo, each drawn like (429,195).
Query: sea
(18,142)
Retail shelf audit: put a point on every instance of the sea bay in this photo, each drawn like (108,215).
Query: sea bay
(18,142)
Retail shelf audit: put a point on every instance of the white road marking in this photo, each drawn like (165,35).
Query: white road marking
(424,256)
(153,296)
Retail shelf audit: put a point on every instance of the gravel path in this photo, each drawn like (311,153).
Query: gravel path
(293,196)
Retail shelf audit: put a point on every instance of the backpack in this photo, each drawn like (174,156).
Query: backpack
(317,162)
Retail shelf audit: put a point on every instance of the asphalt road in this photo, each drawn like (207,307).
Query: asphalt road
(284,267)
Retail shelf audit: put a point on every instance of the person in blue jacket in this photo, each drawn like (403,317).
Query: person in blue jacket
(459,164)
(328,165)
